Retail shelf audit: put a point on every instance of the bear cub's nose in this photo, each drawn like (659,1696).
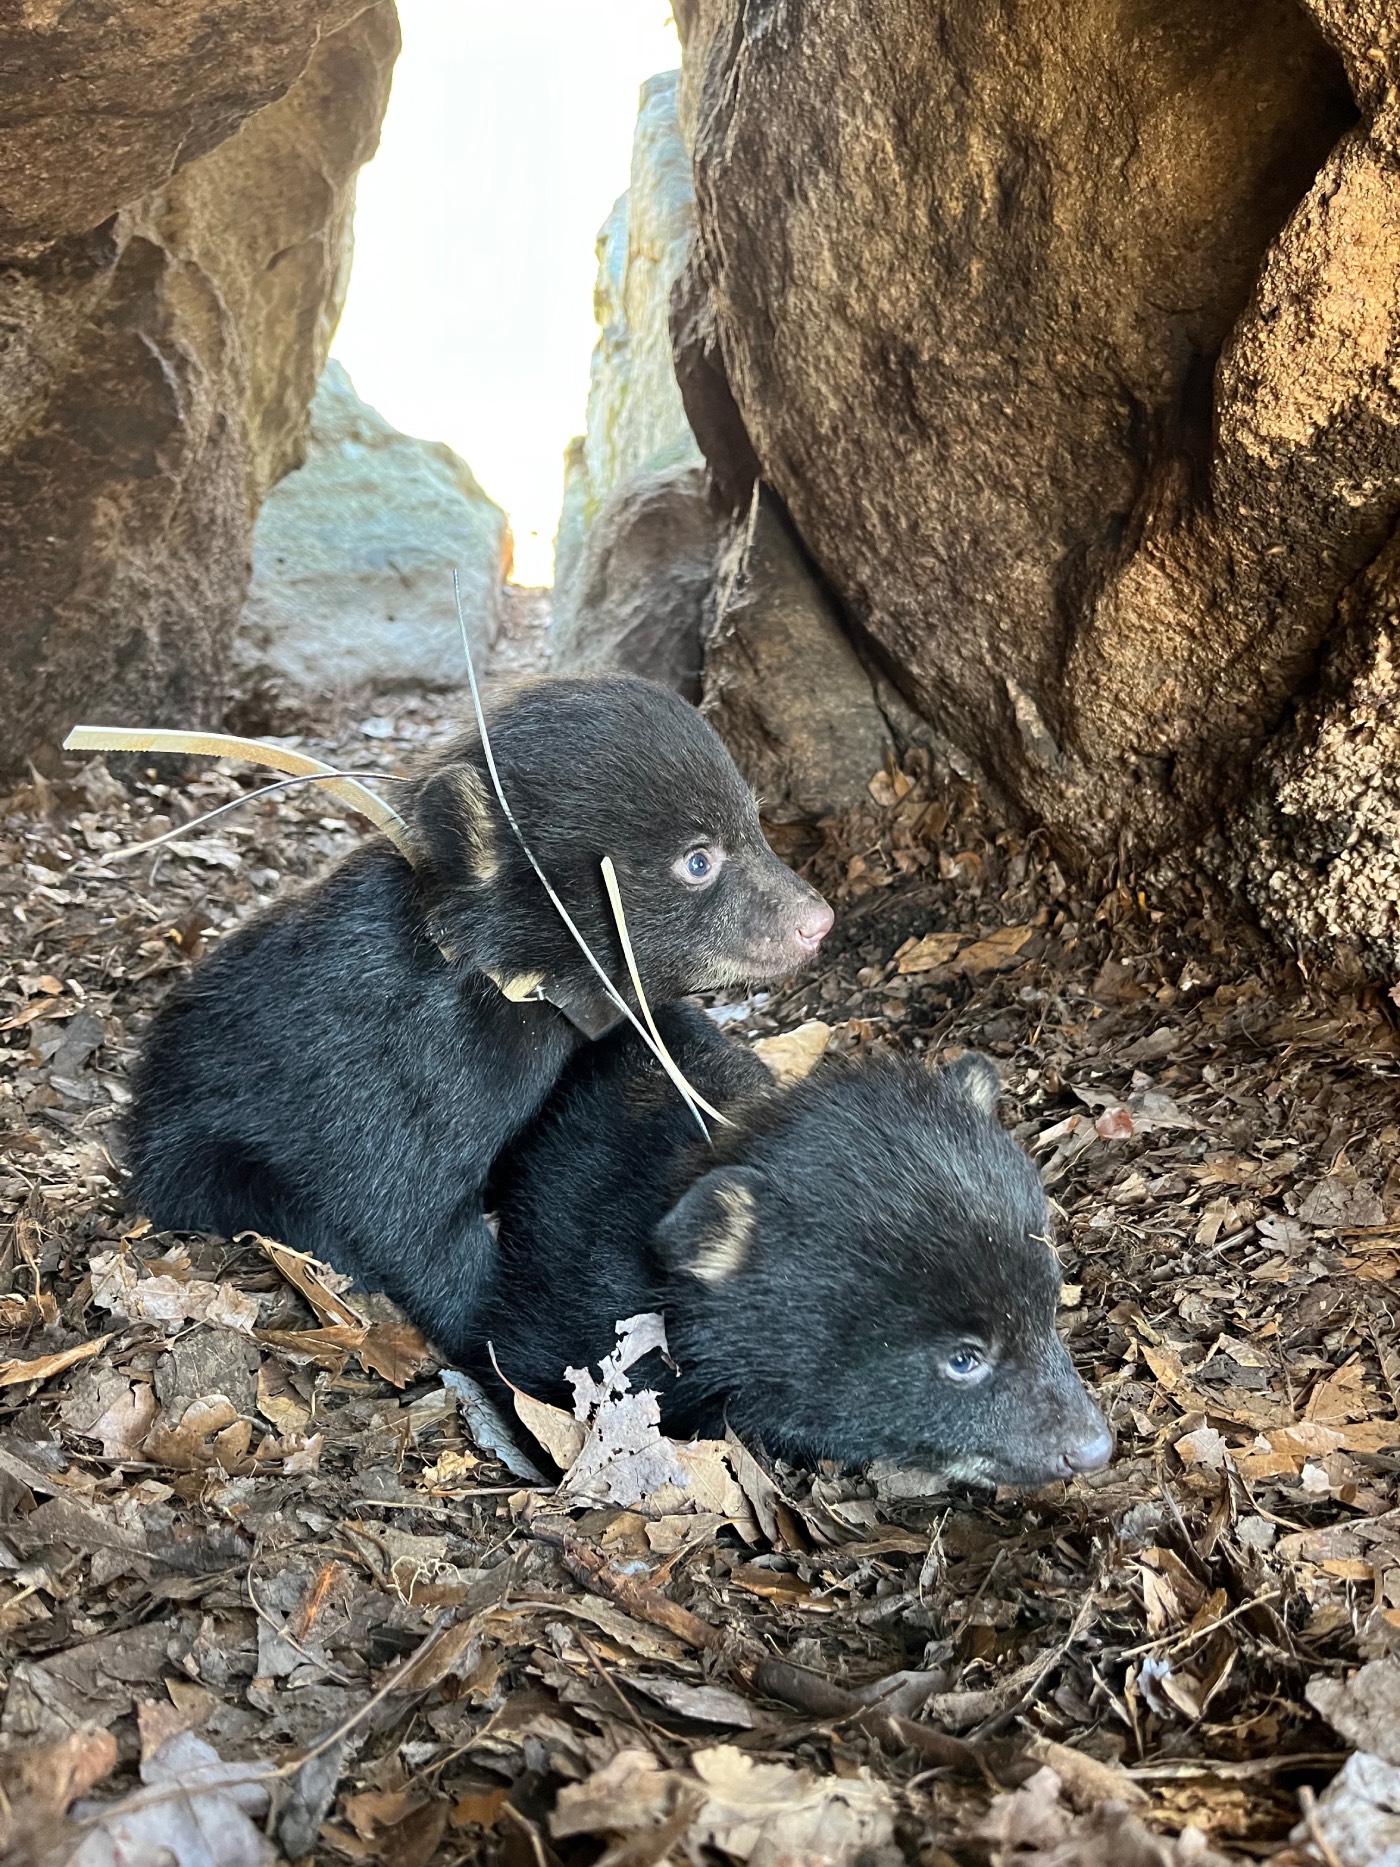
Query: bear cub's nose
(1087,1455)
(814,926)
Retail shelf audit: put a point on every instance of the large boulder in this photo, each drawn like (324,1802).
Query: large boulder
(1070,339)
(164,332)
(641,596)
(353,558)
(103,103)
(783,686)
(635,423)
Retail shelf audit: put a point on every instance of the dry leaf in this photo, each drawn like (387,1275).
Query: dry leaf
(194,1811)
(767,1813)
(935,949)
(395,1350)
(124,1426)
(317,1282)
(117,1284)
(278,1401)
(1364,1709)
(994,954)
(561,1435)
(42,1367)
(708,1704)
(194,1439)
(1358,1814)
(794,1054)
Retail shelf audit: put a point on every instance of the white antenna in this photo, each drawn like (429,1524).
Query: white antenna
(657,1048)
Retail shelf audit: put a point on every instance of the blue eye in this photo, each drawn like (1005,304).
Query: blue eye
(697,865)
(964,1362)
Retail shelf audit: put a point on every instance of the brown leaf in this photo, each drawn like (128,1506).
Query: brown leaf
(191,1442)
(997,952)
(278,1401)
(40,1008)
(789,1591)
(43,1367)
(794,1054)
(124,1426)
(402,1827)
(39,1311)
(480,1808)
(935,949)
(330,1347)
(312,1279)
(1115,1124)
(561,1435)
(58,1774)
(395,1350)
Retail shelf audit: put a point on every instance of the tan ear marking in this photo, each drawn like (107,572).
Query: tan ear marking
(722,1251)
(519,986)
(474,810)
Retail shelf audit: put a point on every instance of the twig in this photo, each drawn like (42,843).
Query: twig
(1307,1801)
(819,1698)
(1192,1635)
(296,1646)
(634,1597)
(629,1710)
(1177,1768)
(748,1665)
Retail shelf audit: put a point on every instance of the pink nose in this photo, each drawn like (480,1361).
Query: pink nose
(814,926)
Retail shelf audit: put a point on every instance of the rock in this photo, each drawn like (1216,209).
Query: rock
(353,558)
(635,420)
(101,107)
(783,686)
(1317,852)
(709,402)
(156,366)
(1073,353)
(641,596)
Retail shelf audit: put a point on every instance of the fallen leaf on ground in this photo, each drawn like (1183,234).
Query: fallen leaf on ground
(195,1811)
(317,1282)
(794,1054)
(42,1367)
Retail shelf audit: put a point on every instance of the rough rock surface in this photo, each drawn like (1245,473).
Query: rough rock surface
(783,686)
(353,558)
(635,420)
(165,325)
(1318,851)
(1072,348)
(641,596)
(102,103)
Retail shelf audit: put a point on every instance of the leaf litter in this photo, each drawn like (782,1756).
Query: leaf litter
(272,1583)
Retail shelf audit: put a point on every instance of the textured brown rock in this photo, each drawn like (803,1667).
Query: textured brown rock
(157,369)
(102,103)
(783,686)
(1071,342)
(640,595)
(1318,850)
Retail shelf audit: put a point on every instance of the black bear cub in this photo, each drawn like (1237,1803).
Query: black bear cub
(342,1071)
(859,1269)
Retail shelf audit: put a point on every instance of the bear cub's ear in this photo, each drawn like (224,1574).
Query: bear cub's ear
(709,1233)
(976,1078)
(457,823)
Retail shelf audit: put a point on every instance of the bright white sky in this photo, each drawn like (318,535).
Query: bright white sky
(470,313)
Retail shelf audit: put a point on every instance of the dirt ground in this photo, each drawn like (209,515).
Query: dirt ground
(263,1584)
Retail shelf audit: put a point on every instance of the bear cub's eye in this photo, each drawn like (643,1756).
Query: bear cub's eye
(699,865)
(965,1363)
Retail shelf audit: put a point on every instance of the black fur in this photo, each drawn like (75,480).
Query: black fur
(329,1078)
(819,1271)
